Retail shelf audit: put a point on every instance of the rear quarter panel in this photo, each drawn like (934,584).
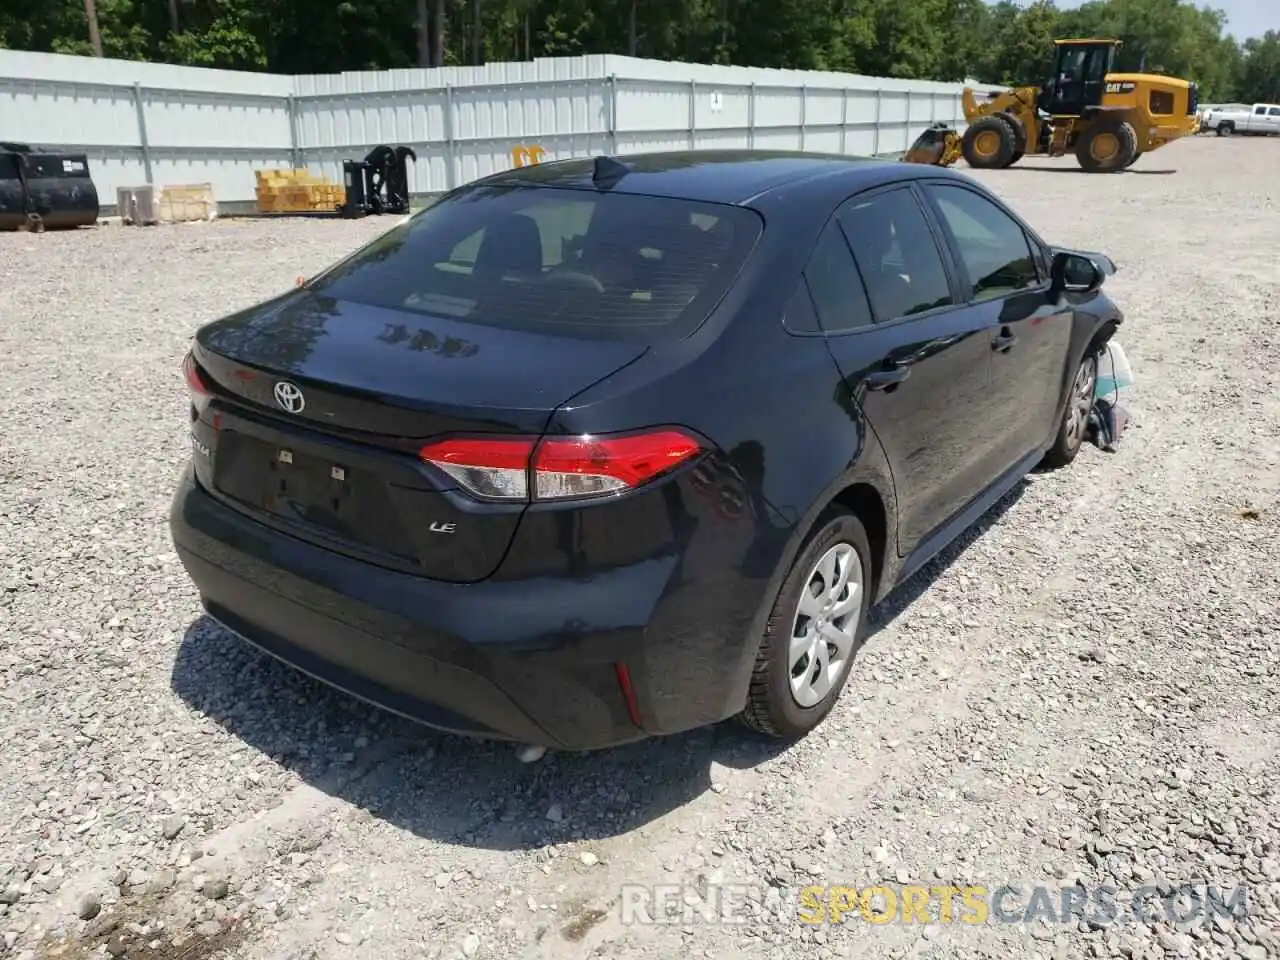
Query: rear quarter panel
(773,406)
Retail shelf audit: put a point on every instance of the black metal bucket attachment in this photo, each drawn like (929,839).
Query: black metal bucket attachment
(41,191)
(379,183)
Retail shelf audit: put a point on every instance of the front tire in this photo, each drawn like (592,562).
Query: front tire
(1075,418)
(815,628)
(989,142)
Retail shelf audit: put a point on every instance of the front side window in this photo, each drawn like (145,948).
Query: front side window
(1273,112)
(1097,68)
(1072,64)
(896,254)
(573,262)
(991,244)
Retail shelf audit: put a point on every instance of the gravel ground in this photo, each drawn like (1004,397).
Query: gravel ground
(1081,694)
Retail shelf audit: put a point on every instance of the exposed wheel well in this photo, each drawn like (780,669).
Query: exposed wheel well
(1100,338)
(1094,346)
(864,500)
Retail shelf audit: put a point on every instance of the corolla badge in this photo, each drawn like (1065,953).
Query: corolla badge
(289,396)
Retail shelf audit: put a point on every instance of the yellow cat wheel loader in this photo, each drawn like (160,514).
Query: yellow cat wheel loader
(1107,119)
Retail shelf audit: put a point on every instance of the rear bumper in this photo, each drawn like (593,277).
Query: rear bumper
(533,661)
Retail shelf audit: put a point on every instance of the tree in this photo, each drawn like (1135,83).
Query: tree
(1260,69)
(95,37)
(426,53)
(1004,42)
(439,30)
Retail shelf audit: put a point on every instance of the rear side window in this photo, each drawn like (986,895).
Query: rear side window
(991,244)
(571,262)
(1259,111)
(896,254)
(834,284)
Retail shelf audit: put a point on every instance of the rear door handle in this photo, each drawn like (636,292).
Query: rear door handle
(1004,342)
(887,378)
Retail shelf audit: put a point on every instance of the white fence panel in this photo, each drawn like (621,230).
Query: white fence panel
(155,123)
(149,122)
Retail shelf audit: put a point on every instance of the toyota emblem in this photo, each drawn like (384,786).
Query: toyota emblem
(289,397)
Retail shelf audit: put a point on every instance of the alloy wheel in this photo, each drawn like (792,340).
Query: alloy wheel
(1081,400)
(825,624)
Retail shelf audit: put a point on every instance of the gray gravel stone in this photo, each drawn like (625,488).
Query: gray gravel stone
(88,906)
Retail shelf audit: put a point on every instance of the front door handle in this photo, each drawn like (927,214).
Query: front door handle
(887,378)
(1004,342)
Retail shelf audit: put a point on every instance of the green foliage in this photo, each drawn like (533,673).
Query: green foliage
(1004,42)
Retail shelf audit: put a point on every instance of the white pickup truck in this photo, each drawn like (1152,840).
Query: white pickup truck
(1260,120)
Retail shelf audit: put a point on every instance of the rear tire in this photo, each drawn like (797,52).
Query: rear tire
(1134,160)
(1225,130)
(816,626)
(1075,417)
(1107,147)
(989,143)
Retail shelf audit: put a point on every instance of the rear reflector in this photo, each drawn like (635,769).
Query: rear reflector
(559,468)
(628,693)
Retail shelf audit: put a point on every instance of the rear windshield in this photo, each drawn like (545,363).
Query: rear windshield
(573,262)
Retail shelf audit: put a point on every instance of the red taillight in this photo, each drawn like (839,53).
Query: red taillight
(492,469)
(196,387)
(559,468)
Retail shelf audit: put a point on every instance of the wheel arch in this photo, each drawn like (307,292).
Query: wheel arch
(865,488)
(863,500)
(1090,340)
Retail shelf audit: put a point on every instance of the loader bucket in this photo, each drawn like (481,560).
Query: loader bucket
(40,189)
(938,146)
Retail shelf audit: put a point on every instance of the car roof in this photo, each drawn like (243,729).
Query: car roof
(742,177)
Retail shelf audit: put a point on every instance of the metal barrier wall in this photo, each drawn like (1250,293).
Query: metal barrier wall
(155,123)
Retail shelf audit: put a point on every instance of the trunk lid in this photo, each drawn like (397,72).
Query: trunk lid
(395,375)
(320,406)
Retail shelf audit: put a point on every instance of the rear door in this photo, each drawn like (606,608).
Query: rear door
(917,365)
(1004,280)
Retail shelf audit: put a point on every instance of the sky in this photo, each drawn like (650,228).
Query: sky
(1245,18)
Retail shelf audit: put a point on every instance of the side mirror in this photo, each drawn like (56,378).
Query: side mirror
(1074,273)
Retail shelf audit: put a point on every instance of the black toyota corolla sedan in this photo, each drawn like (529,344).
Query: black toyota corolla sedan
(607,448)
